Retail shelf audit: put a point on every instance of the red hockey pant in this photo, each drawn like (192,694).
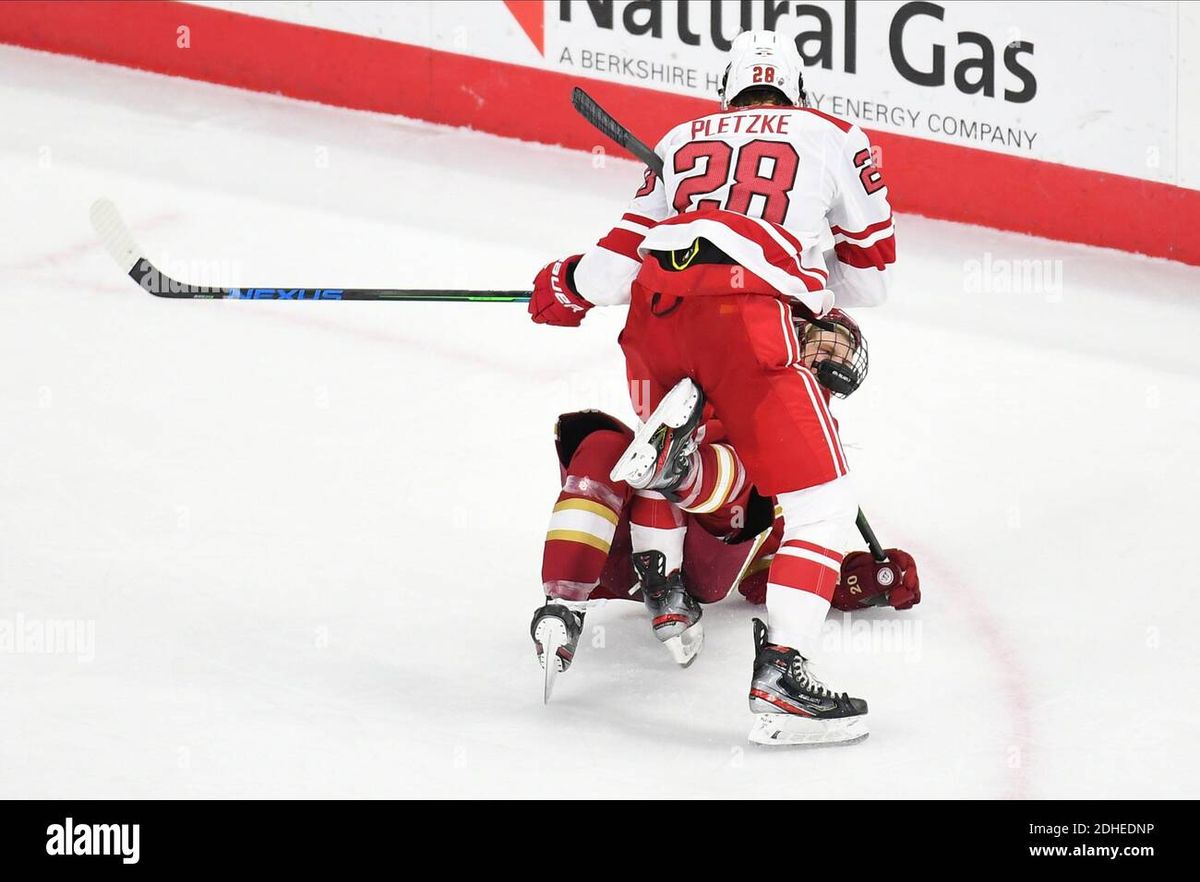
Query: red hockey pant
(742,351)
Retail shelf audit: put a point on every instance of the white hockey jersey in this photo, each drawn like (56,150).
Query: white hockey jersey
(802,169)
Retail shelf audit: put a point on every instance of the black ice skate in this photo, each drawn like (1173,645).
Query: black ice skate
(793,707)
(657,458)
(556,630)
(674,613)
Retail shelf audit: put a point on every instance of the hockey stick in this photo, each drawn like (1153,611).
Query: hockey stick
(604,121)
(868,534)
(119,242)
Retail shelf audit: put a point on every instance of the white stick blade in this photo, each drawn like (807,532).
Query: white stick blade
(115,236)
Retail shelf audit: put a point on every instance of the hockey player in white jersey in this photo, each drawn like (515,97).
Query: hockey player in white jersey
(765,154)
(711,259)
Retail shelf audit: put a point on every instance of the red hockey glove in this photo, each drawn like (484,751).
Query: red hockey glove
(865,582)
(555,300)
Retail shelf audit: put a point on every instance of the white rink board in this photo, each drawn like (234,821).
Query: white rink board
(1115,88)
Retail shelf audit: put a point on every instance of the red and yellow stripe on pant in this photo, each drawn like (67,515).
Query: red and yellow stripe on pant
(584,521)
(577,543)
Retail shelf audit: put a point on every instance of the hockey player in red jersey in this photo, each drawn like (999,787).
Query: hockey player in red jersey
(716,493)
(712,259)
(732,531)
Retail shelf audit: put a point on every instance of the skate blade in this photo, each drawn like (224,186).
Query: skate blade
(778,730)
(637,462)
(635,465)
(686,646)
(552,634)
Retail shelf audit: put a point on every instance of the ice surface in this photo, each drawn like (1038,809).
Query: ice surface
(308,535)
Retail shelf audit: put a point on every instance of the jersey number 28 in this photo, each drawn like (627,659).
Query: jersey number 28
(762,168)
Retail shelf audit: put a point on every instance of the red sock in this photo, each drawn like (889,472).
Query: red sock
(717,476)
(585,518)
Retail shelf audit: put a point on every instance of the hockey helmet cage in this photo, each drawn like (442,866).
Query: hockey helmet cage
(835,350)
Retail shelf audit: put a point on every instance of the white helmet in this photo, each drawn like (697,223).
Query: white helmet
(763,58)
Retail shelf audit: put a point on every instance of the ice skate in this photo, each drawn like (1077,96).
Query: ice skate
(556,630)
(657,458)
(793,707)
(674,613)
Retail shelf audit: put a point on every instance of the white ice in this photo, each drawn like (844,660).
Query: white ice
(308,535)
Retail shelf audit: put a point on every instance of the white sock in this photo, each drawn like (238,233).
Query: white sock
(667,540)
(814,526)
(796,618)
